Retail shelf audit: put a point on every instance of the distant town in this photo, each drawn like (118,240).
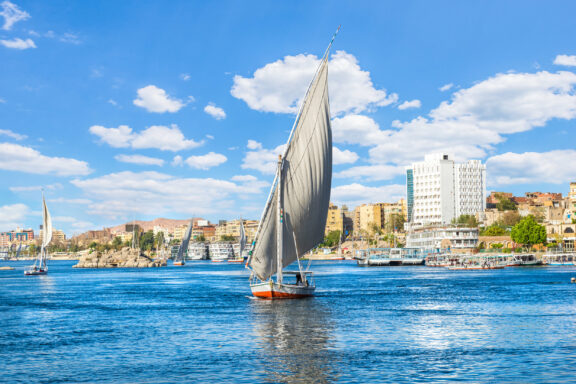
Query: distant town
(447,207)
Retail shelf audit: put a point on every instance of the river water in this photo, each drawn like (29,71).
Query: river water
(198,323)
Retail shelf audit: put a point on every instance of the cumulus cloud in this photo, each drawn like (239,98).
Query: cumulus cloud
(14,157)
(31,188)
(18,43)
(12,14)
(139,159)
(14,135)
(214,111)
(566,60)
(12,216)
(357,129)
(155,99)
(410,104)
(357,194)
(121,195)
(371,172)
(531,167)
(343,156)
(262,159)
(177,161)
(280,86)
(244,178)
(206,161)
(156,136)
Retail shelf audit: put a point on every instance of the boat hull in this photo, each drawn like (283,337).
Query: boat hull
(178,263)
(31,272)
(270,290)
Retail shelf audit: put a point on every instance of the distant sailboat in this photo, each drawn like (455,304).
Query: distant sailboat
(239,258)
(295,214)
(40,267)
(179,260)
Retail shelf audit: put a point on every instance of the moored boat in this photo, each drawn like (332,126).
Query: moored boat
(40,267)
(179,260)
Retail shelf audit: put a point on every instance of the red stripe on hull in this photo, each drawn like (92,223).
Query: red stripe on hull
(278,295)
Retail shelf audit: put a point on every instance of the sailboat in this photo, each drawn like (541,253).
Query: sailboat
(239,258)
(295,213)
(179,260)
(40,267)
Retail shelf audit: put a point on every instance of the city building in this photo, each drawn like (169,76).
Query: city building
(440,190)
(334,220)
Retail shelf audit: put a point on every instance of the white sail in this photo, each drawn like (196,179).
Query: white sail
(242,238)
(304,185)
(46,224)
(185,241)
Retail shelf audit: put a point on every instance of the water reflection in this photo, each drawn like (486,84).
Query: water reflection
(295,337)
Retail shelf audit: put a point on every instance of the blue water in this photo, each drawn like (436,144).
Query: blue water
(198,323)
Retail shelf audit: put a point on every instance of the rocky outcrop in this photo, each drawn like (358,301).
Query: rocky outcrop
(125,258)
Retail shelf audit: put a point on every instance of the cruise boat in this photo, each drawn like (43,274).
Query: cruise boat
(523,260)
(221,251)
(479,261)
(198,251)
(559,258)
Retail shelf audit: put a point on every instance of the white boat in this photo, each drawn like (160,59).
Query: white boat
(295,213)
(221,251)
(180,256)
(197,251)
(39,267)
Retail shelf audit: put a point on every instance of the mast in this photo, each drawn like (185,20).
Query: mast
(279,232)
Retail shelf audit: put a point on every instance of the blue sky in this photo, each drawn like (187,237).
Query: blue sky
(128,110)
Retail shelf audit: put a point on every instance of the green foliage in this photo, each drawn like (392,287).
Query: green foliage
(529,232)
(510,219)
(505,204)
(227,238)
(481,245)
(332,239)
(497,246)
(147,241)
(574,220)
(200,238)
(117,243)
(93,245)
(466,221)
(396,223)
(159,239)
(493,230)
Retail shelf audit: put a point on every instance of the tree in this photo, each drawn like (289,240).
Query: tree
(466,221)
(117,243)
(396,223)
(494,230)
(227,238)
(147,240)
(529,232)
(505,204)
(510,218)
(93,245)
(159,240)
(200,238)
(332,239)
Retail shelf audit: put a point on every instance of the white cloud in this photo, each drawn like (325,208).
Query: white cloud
(14,157)
(12,14)
(261,159)
(177,161)
(31,188)
(410,104)
(446,87)
(371,172)
(121,195)
(113,102)
(70,201)
(139,159)
(210,137)
(253,144)
(18,43)
(206,161)
(280,86)
(214,111)
(70,38)
(12,216)
(185,76)
(155,99)
(14,135)
(356,194)
(531,167)
(569,61)
(357,129)
(343,157)
(477,118)
(156,136)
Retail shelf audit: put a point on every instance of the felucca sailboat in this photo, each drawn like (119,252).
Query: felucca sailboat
(294,217)
(40,267)
(179,260)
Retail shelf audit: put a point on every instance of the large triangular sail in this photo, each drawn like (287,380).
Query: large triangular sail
(46,232)
(185,240)
(303,185)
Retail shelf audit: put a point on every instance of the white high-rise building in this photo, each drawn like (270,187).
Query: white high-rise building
(440,190)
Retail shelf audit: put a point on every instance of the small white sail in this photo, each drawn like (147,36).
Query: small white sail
(46,224)
(304,186)
(185,241)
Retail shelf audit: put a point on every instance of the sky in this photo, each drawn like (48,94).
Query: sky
(124,110)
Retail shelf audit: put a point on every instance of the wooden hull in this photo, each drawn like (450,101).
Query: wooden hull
(271,290)
(178,263)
